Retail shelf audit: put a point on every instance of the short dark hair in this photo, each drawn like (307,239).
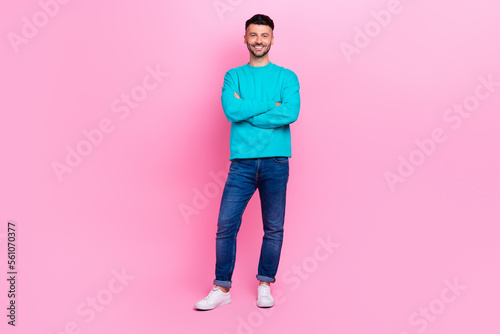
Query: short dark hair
(260,19)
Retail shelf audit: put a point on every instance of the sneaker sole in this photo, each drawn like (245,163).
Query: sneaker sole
(265,306)
(208,309)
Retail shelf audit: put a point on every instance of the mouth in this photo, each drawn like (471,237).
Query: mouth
(258,47)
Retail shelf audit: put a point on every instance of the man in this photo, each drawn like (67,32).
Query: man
(260,99)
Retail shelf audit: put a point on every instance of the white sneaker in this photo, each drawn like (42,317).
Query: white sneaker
(264,298)
(215,298)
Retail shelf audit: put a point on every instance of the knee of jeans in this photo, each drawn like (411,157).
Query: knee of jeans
(274,234)
(226,228)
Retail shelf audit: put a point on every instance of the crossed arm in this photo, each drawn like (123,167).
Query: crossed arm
(237,109)
(266,115)
(238,97)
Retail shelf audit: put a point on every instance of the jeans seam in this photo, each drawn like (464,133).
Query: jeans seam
(234,254)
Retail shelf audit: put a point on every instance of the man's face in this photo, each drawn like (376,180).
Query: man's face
(259,39)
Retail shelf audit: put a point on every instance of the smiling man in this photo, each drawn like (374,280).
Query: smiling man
(261,100)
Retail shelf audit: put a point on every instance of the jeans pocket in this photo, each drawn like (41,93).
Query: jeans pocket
(281,160)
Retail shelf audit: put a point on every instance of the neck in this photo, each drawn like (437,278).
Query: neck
(258,61)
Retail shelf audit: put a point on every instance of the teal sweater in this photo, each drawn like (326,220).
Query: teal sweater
(259,128)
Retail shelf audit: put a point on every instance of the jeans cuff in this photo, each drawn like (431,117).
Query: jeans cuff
(266,279)
(226,284)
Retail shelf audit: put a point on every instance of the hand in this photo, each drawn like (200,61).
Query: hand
(278,103)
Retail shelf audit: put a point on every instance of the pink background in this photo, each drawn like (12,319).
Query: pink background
(120,208)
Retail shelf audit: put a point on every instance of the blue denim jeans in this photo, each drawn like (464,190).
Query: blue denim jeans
(270,176)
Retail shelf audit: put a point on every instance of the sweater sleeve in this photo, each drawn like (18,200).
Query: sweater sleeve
(287,112)
(237,110)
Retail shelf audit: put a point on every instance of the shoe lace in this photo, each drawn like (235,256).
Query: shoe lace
(264,292)
(212,294)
